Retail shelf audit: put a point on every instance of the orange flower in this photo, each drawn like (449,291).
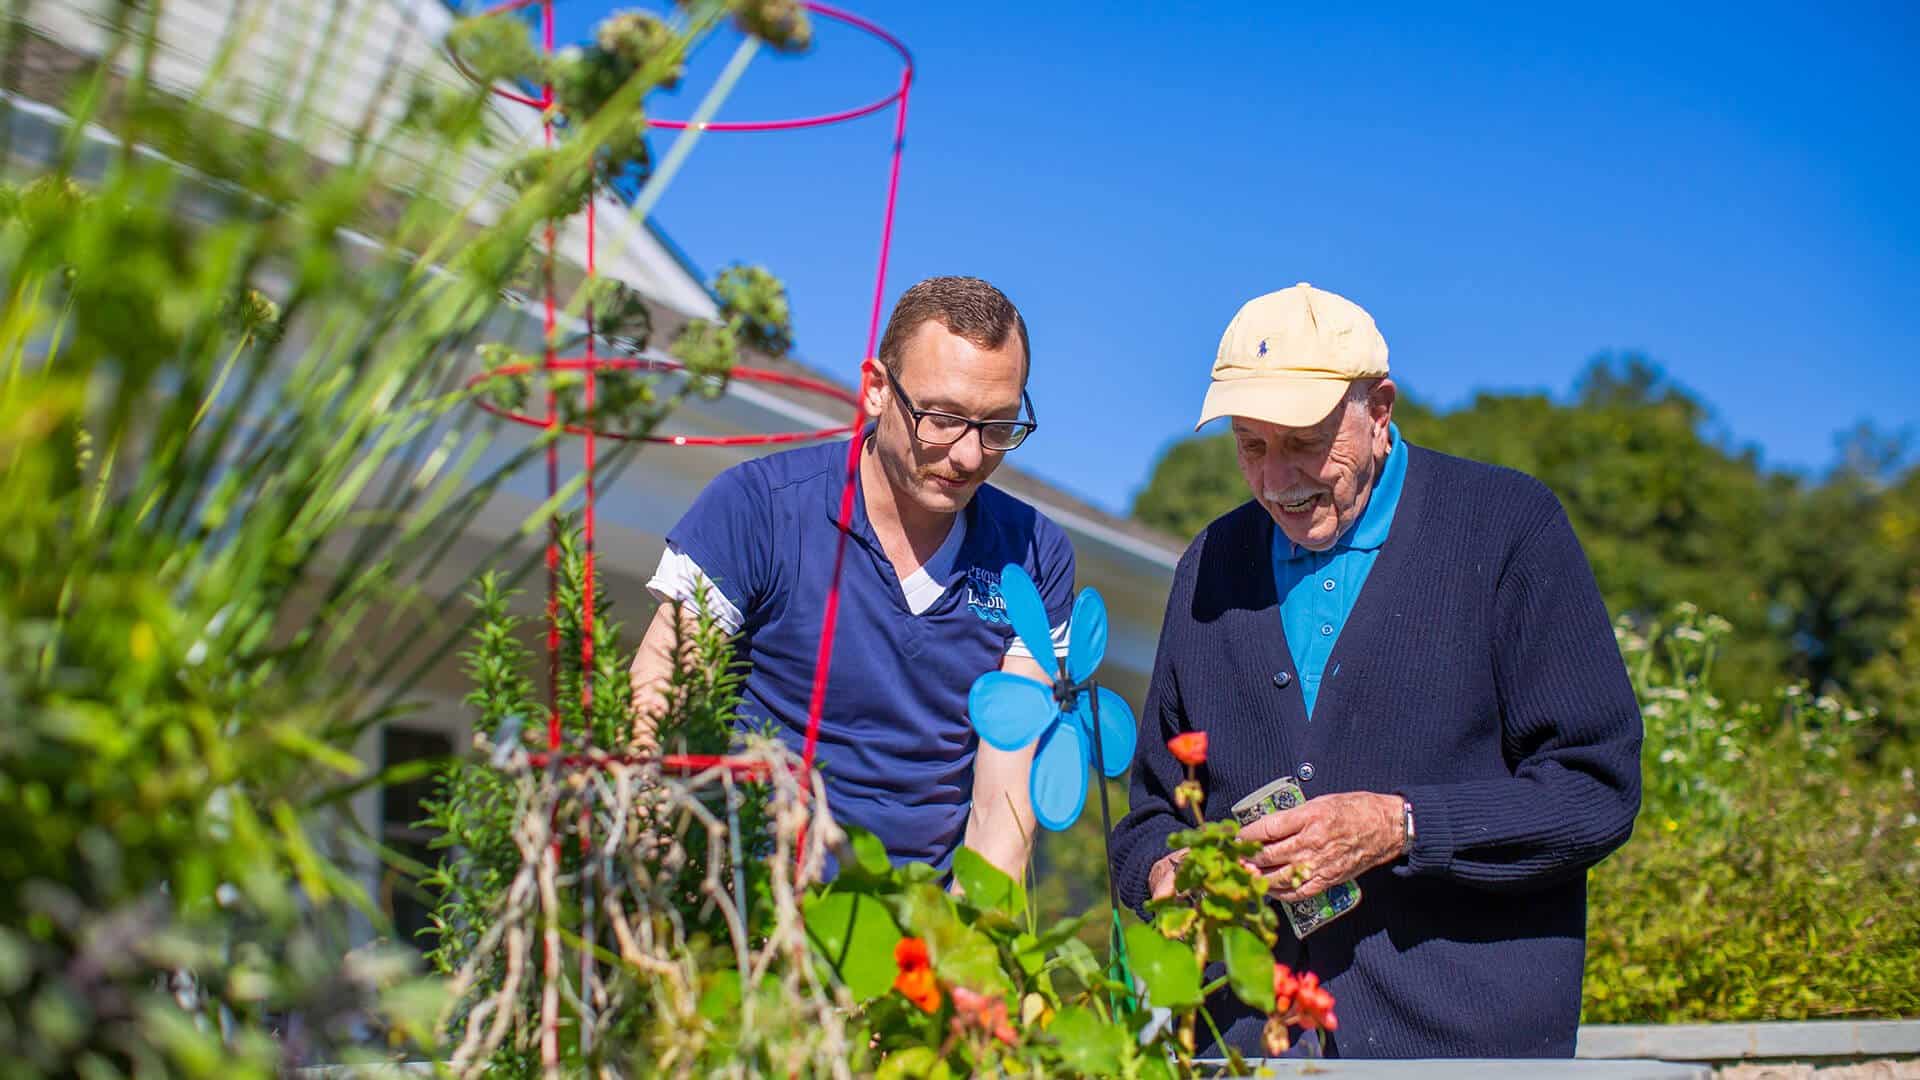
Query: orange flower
(919,987)
(916,981)
(1189,749)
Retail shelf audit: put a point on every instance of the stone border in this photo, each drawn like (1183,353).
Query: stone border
(1797,1041)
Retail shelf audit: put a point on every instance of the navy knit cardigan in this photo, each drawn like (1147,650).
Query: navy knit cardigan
(1477,676)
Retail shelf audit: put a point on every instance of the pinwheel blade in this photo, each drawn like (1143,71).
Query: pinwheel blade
(1117,730)
(1087,641)
(1028,615)
(1009,711)
(1059,784)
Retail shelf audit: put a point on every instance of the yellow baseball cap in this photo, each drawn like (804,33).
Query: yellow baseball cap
(1288,356)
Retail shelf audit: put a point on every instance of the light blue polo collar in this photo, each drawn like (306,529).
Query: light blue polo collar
(1370,531)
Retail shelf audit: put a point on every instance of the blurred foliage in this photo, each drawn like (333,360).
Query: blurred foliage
(234,443)
(221,417)
(1890,682)
(1813,573)
(1773,874)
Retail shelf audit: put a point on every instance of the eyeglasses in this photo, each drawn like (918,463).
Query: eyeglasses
(937,428)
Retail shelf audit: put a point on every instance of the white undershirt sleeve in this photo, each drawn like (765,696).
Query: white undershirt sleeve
(679,578)
(1060,638)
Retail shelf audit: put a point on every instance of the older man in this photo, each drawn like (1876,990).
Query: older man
(1418,640)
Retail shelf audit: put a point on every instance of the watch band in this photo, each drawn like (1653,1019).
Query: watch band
(1406,817)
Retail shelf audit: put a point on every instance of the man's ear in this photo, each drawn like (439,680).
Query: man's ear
(1380,402)
(875,392)
(1381,412)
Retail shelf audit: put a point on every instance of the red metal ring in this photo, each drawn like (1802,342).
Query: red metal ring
(822,120)
(677,764)
(792,124)
(744,373)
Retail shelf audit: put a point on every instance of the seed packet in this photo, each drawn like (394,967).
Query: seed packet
(1305,916)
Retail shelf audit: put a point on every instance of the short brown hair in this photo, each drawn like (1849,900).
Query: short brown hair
(967,306)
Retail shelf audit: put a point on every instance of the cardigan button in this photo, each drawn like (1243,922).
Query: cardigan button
(1306,771)
(1282,679)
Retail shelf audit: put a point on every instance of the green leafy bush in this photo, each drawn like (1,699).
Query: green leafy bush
(490,802)
(1774,872)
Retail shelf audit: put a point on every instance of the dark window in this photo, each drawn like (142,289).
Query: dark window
(402,807)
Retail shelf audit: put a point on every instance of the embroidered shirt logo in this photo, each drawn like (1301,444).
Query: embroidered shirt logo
(983,596)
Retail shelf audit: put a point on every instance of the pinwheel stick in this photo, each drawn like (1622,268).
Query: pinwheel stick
(1117,965)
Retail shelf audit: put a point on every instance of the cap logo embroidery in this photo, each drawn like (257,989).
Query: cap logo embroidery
(1263,347)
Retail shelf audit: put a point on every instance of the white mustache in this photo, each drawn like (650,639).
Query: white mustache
(1291,495)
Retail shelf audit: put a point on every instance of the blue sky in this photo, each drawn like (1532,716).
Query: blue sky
(1508,190)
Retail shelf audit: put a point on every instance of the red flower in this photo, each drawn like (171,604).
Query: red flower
(915,981)
(1313,1005)
(911,953)
(1285,986)
(1301,1000)
(1189,749)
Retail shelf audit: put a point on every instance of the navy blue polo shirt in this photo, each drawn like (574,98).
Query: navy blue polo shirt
(896,746)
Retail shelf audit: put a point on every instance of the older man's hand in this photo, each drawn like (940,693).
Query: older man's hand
(1160,878)
(1324,841)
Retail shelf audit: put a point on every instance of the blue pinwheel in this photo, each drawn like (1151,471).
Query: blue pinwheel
(1075,720)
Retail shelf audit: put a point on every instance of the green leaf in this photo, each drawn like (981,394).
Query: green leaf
(1032,951)
(1249,966)
(1089,1045)
(1028,954)
(924,910)
(1158,1067)
(720,1001)
(913,1063)
(986,886)
(1079,960)
(966,957)
(1169,968)
(869,854)
(856,934)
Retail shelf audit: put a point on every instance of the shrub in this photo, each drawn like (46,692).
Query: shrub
(1774,871)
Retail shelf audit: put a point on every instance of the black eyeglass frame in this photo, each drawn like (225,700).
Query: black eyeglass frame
(1027,426)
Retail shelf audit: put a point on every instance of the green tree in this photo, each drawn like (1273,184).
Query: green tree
(1889,683)
(1851,555)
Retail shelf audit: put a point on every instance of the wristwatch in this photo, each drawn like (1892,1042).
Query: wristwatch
(1406,817)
